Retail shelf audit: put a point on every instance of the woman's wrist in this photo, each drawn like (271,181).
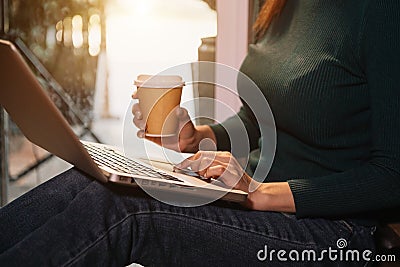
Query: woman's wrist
(272,197)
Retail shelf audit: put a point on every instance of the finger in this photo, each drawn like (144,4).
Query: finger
(182,113)
(183,117)
(184,123)
(215,163)
(227,173)
(214,171)
(194,164)
(199,162)
(188,161)
(205,162)
(135,95)
(224,156)
(202,160)
(230,161)
(229,179)
(136,111)
(141,124)
(140,134)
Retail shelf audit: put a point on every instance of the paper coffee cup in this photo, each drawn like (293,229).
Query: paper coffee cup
(159,96)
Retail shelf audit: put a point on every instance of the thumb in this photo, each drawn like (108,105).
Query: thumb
(182,114)
(184,121)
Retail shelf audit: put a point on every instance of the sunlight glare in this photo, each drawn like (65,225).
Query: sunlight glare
(77,33)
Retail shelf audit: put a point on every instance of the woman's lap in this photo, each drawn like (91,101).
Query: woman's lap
(72,219)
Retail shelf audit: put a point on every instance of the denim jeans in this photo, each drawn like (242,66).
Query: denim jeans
(72,220)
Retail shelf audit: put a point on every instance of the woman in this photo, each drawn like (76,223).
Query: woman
(329,70)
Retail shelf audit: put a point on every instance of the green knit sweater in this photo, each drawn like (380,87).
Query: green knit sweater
(330,70)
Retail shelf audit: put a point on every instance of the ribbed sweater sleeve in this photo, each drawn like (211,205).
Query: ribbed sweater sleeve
(376,184)
(231,125)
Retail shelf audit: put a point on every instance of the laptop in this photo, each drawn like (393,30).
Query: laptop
(42,123)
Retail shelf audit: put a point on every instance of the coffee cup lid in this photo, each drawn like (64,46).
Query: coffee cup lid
(159,81)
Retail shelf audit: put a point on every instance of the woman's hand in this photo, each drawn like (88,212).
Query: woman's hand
(224,167)
(189,136)
(218,165)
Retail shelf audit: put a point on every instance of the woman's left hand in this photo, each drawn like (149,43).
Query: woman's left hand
(224,167)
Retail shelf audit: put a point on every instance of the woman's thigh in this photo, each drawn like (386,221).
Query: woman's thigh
(107,225)
(31,210)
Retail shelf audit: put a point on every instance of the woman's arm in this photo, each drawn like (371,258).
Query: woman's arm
(272,197)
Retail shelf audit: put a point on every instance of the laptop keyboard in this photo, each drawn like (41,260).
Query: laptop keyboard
(115,161)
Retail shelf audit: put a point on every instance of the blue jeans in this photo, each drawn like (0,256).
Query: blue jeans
(72,220)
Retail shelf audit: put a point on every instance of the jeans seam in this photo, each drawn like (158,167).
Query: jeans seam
(177,214)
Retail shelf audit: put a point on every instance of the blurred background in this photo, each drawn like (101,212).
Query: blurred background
(87,53)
